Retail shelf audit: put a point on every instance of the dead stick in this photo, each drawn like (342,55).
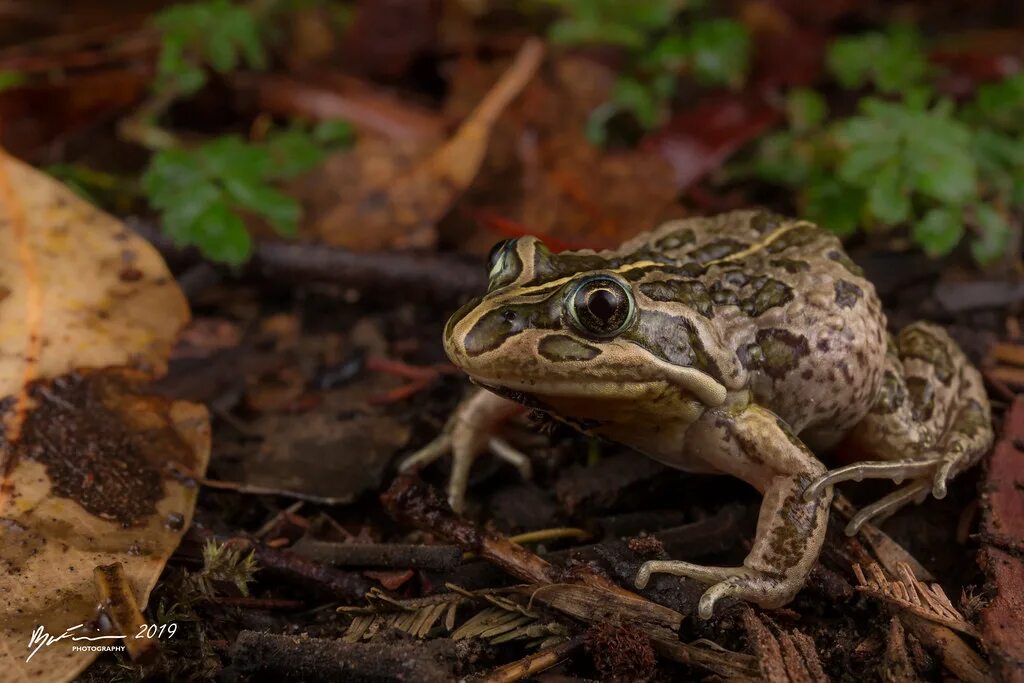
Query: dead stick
(348,586)
(418,274)
(391,555)
(535,663)
(118,601)
(411,501)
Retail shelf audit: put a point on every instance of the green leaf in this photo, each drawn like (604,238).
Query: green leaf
(834,206)
(596,129)
(888,198)
(784,159)
(217,33)
(11,79)
(893,61)
(334,133)
(720,52)
(669,53)
(637,98)
(171,175)
(231,157)
(940,230)
(221,235)
(1000,104)
(567,32)
(280,210)
(805,109)
(293,152)
(180,218)
(995,235)
(850,60)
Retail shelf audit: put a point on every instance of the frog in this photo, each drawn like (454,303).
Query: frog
(739,344)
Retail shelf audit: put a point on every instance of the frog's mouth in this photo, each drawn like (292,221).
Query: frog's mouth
(604,386)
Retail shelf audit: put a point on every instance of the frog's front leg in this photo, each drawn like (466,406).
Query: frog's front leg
(929,422)
(470,431)
(755,445)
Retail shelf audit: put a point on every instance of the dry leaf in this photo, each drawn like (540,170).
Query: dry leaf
(91,465)
(392,196)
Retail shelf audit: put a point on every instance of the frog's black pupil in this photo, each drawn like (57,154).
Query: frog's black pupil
(603,304)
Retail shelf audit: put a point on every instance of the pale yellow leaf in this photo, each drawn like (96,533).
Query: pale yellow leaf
(93,470)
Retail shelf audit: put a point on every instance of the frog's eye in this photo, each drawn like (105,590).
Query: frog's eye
(600,306)
(504,264)
(496,257)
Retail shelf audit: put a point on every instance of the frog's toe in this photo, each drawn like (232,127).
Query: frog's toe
(512,455)
(732,587)
(897,470)
(943,473)
(698,572)
(434,450)
(764,590)
(886,506)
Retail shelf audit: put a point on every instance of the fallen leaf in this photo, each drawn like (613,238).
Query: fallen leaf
(543,177)
(391,195)
(91,465)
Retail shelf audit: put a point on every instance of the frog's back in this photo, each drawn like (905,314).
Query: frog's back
(779,308)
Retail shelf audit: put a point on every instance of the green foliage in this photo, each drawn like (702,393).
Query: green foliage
(214,33)
(945,172)
(202,193)
(660,44)
(11,79)
(891,61)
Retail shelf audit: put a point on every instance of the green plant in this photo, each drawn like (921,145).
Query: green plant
(223,563)
(215,33)
(659,44)
(11,79)
(941,170)
(202,193)
(892,61)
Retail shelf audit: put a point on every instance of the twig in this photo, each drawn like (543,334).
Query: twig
(580,592)
(118,601)
(259,603)
(277,657)
(348,586)
(541,535)
(535,663)
(394,555)
(418,275)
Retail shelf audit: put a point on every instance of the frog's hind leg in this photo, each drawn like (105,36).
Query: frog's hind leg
(929,423)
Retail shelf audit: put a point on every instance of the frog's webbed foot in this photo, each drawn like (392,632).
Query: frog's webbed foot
(468,433)
(727,582)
